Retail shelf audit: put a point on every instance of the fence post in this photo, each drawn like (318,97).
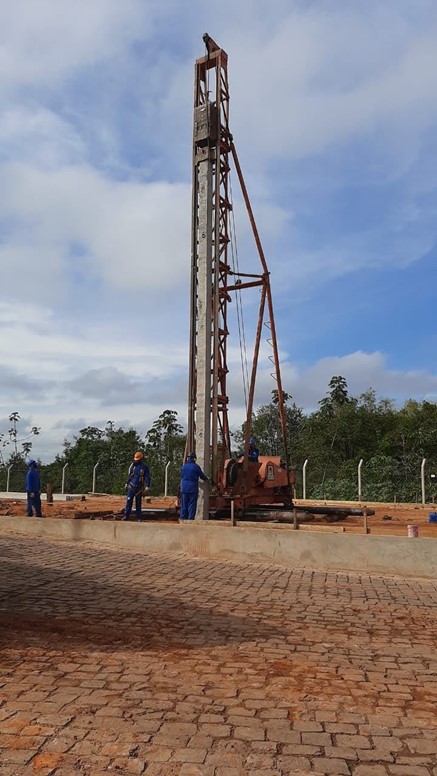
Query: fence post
(94,477)
(422,477)
(359,478)
(63,478)
(166,478)
(8,477)
(304,479)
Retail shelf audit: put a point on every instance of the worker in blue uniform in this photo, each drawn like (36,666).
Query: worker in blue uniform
(253,453)
(137,485)
(33,489)
(253,450)
(190,475)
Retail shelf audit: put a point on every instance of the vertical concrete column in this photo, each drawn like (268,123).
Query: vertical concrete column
(204,329)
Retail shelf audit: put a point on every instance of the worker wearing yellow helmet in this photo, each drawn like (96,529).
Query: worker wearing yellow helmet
(137,485)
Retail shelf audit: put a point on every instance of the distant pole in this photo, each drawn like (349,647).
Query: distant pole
(7,478)
(304,479)
(166,478)
(94,477)
(63,478)
(433,482)
(359,479)
(422,477)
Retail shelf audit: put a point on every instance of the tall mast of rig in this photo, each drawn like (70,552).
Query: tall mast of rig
(208,427)
(213,279)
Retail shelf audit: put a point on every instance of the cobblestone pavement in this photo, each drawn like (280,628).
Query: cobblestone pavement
(114,661)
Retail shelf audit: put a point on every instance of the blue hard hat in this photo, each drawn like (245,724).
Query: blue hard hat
(31,462)
(252,440)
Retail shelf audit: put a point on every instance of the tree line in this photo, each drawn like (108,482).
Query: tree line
(392,442)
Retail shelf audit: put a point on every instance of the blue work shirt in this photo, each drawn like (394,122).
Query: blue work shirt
(253,454)
(190,473)
(138,476)
(33,480)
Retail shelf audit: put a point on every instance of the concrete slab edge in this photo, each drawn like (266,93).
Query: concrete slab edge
(397,556)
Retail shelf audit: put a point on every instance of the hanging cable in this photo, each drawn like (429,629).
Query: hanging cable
(239,302)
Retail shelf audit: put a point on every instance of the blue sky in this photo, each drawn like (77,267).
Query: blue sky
(334,115)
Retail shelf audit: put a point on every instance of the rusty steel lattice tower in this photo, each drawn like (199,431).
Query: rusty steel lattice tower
(212,277)
(208,428)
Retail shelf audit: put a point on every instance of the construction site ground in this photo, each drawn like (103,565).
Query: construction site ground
(389,518)
(117,661)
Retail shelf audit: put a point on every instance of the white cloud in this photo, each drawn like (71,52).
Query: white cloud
(62,383)
(46,41)
(131,235)
(36,339)
(343,77)
(39,137)
(362,371)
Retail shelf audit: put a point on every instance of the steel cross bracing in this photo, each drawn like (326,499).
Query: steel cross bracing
(208,426)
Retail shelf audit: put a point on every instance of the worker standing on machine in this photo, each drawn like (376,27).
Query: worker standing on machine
(253,450)
(137,485)
(190,475)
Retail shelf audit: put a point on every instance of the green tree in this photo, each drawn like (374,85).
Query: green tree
(111,448)
(267,430)
(165,443)
(337,396)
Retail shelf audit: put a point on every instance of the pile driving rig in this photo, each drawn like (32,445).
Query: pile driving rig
(238,484)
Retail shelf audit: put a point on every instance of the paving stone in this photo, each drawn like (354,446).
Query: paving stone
(189,755)
(300,765)
(422,746)
(408,770)
(375,755)
(331,766)
(317,739)
(128,766)
(355,742)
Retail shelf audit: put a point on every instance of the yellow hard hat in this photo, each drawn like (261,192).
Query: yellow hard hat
(138,456)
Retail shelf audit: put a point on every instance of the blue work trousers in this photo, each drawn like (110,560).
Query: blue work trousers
(188,506)
(131,495)
(33,502)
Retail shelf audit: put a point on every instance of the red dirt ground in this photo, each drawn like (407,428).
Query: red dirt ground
(389,519)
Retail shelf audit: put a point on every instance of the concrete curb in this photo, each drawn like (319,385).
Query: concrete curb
(395,555)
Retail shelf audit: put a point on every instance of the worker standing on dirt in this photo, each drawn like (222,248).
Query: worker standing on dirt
(137,485)
(190,475)
(33,489)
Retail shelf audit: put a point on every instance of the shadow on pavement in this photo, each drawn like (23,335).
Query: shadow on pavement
(63,609)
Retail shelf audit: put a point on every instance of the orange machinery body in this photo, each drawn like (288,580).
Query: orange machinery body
(265,482)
